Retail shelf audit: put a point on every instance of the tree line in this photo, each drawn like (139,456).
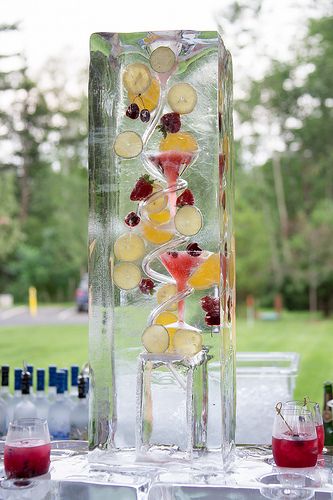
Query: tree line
(284,205)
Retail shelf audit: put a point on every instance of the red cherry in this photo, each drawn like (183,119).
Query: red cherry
(142,188)
(193,249)
(132,219)
(186,198)
(146,286)
(145,115)
(133,111)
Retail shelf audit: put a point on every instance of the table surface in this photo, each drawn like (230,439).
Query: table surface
(252,475)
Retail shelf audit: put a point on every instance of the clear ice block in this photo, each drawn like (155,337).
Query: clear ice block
(161,246)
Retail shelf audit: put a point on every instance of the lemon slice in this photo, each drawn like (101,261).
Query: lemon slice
(159,203)
(129,247)
(155,235)
(126,275)
(165,293)
(165,318)
(162,217)
(187,342)
(155,339)
(136,78)
(162,59)
(188,220)
(182,98)
(128,144)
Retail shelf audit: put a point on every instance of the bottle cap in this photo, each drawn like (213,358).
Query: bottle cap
(40,379)
(74,375)
(5,375)
(17,379)
(52,376)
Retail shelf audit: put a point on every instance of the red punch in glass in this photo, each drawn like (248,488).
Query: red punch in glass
(314,408)
(294,440)
(27,448)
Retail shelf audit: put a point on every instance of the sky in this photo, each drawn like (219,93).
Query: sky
(62,28)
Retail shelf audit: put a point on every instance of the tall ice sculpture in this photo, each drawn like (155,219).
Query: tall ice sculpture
(161,247)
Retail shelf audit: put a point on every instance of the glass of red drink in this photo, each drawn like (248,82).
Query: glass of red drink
(294,439)
(27,448)
(314,408)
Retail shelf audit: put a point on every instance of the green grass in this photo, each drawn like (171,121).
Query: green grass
(68,344)
(44,345)
(295,332)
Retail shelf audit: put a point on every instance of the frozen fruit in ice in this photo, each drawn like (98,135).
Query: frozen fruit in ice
(210,304)
(161,217)
(128,144)
(148,99)
(170,122)
(136,78)
(174,254)
(144,115)
(133,111)
(165,318)
(182,98)
(207,274)
(180,141)
(129,247)
(159,202)
(165,293)
(155,339)
(186,198)
(193,249)
(162,59)
(155,235)
(146,286)
(188,220)
(142,188)
(126,275)
(213,318)
(132,219)
(187,342)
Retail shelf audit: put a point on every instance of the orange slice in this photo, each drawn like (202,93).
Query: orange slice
(207,274)
(155,235)
(180,141)
(148,99)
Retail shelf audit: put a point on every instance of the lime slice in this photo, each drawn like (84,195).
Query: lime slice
(188,220)
(187,342)
(155,339)
(126,275)
(128,144)
(162,59)
(129,247)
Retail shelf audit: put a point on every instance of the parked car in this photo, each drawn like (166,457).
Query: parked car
(81,295)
